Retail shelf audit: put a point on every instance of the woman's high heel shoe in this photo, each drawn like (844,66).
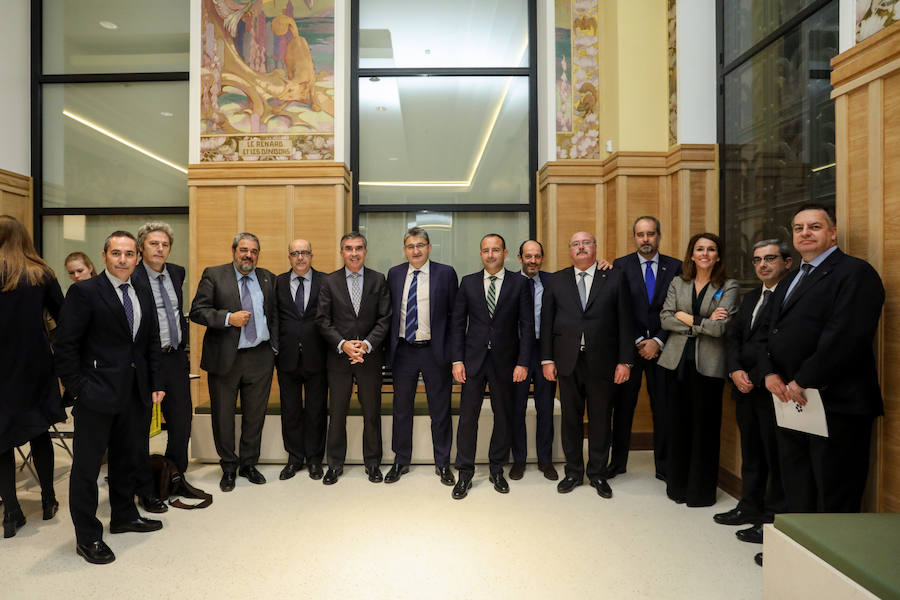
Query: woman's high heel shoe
(12,522)
(50,507)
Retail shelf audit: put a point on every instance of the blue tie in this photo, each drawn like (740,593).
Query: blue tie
(412,309)
(129,309)
(649,280)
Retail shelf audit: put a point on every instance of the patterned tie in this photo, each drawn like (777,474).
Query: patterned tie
(762,306)
(355,292)
(582,289)
(650,280)
(247,304)
(298,297)
(129,309)
(492,296)
(804,271)
(174,337)
(412,308)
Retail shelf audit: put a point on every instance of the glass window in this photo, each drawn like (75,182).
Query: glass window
(70,233)
(435,34)
(455,236)
(443,140)
(115,144)
(749,21)
(115,36)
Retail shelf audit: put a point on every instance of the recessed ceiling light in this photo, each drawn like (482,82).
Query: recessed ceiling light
(381,108)
(375,79)
(166,113)
(393,158)
(108,25)
(427,51)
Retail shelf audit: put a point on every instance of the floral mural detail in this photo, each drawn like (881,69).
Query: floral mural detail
(267,80)
(577,79)
(673,76)
(874,15)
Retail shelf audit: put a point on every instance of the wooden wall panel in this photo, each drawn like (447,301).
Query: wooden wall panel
(264,216)
(671,242)
(857,204)
(314,216)
(698,210)
(16,198)
(612,207)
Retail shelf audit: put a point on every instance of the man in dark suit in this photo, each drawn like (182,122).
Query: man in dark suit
(531,257)
(648,274)
(821,329)
(165,280)
(236,303)
(107,356)
(587,341)
(301,364)
(491,334)
(422,297)
(354,317)
(762,494)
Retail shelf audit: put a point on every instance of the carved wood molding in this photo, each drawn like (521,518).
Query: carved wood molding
(318,172)
(871,59)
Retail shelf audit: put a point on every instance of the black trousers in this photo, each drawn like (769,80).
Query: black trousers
(623,414)
(762,492)
(42,455)
(544,394)
(409,361)
(471,399)
(304,415)
(826,474)
(341,376)
(95,433)
(251,376)
(584,389)
(692,463)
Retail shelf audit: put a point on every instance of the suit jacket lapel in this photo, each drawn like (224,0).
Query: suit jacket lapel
(708,297)
(504,289)
(599,280)
(111,298)
(754,325)
(367,286)
(809,281)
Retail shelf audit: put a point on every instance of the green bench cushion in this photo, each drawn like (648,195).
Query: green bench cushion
(864,547)
(387,400)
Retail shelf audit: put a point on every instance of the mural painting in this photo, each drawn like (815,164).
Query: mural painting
(267,80)
(577,79)
(874,15)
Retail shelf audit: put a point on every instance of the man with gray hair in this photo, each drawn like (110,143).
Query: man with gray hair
(236,303)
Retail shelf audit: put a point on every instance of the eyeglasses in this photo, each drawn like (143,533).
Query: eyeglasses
(412,247)
(297,253)
(582,243)
(769,258)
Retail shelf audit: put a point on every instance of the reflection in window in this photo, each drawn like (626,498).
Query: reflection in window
(749,21)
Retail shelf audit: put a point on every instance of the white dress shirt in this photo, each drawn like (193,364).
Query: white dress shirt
(423,288)
(135,304)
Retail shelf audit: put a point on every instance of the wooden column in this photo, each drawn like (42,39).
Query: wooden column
(16,198)
(866,94)
(277,202)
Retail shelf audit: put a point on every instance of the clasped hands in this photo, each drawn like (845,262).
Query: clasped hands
(355,351)
(791,392)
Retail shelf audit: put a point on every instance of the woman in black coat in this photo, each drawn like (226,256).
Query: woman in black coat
(29,392)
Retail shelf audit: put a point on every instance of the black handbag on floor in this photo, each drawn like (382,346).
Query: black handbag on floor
(171,485)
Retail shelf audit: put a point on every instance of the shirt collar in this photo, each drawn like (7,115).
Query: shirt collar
(499,274)
(770,289)
(307,276)
(251,274)
(347,272)
(644,261)
(590,270)
(423,269)
(115,281)
(537,276)
(820,258)
(152,274)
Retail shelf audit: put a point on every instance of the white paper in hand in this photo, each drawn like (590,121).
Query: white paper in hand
(808,419)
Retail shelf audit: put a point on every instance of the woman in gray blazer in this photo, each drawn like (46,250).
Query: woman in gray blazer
(697,309)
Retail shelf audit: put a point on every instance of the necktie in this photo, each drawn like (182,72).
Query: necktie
(492,296)
(298,297)
(355,293)
(247,304)
(412,308)
(174,338)
(649,280)
(762,306)
(129,309)
(804,271)
(582,289)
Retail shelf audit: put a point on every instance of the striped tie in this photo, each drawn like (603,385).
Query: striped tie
(492,295)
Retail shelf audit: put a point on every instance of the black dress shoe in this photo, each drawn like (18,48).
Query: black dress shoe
(397,470)
(97,553)
(227,482)
(549,471)
(315,471)
(660,476)
(736,516)
(462,487)
(613,470)
(751,535)
(517,471)
(758,558)
(12,522)
(568,484)
(374,474)
(138,525)
(289,471)
(152,504)
(331,476)
(445,474)
(499,483)
(252,475)
(50,507)
(603,489)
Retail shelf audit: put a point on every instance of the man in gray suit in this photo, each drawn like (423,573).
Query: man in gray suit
(236,303)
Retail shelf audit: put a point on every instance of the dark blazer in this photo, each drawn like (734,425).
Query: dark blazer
(822,337)
(606,321)
(217,295)
(646,313)
(744,342)
(299,341)
(443,285)
(176,272)
(96,358)
(513,315)
(336,320)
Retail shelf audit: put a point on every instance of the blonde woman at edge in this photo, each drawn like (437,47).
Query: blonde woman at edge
(699,304)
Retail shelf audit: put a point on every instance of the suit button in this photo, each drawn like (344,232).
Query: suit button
(132,365)
(774,331)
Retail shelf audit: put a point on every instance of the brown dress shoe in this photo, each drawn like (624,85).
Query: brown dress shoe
(549,471)
(517,471)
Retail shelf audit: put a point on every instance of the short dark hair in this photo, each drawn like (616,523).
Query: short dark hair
(647,218)
(496,235)
(119,233)
(783,249)
(416,232)
(244,236)
(522,245)
(829,213)
(689,269)
(353,235)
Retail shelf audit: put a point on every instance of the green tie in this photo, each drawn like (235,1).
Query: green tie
(492,295)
